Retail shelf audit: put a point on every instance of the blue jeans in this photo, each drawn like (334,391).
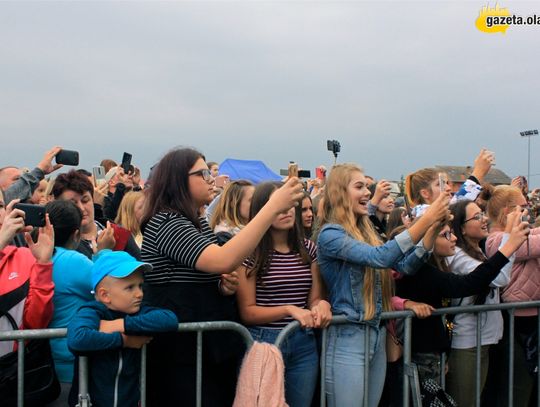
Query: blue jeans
(345,361)
(301,360)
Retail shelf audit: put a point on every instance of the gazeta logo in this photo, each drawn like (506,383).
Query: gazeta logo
(493,19)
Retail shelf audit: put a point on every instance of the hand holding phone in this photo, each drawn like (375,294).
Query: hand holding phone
(99,175)
(293,170)
(442,183)
(34,215)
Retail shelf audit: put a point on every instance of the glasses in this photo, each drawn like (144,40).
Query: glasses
(479,216)
(447,235)
(205,173)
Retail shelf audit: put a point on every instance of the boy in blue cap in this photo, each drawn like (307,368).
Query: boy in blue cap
(112,329)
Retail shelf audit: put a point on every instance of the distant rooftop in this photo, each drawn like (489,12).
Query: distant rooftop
(460,174)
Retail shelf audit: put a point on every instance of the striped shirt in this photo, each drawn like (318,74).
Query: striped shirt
(172,245)
(287,282)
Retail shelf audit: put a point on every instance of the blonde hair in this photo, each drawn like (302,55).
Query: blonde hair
(417,181)
(126,214)
(501,197)
(228,209)
(338,209)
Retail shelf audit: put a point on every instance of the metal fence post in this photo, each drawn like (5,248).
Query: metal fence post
(20,373)
(511,358)
(323,366)
(143,375)
(477,392)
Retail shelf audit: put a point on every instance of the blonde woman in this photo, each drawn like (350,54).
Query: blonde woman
(524,285)
(130,213)
(232,213)
(355,267)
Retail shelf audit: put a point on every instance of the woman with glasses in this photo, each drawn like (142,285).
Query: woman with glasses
(524,285)
(434,284)
(192,277)
(471,227)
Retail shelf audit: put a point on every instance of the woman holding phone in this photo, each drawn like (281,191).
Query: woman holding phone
(192,277)
(355,267)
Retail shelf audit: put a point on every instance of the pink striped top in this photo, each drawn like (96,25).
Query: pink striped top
(287,282)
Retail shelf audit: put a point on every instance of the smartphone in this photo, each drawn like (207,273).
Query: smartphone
(34,215)
(442,183)
(110,174)
(67,157)
(320,173)
(126,162)
(99,175)
(293,170)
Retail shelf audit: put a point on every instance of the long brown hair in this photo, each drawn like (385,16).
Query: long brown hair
(416,181)
(262,256)
(338,209)
(228,209)
(169,191)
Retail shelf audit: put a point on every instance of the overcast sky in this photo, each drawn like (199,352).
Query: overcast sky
(402,85)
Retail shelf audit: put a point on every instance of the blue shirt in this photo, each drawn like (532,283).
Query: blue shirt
(343,259)
(72,273)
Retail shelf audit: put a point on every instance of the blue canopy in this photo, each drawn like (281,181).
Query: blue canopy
(253,170)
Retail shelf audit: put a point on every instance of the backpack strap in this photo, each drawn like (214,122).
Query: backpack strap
(9,300)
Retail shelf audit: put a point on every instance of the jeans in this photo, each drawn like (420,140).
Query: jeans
(345,362)
(301,361)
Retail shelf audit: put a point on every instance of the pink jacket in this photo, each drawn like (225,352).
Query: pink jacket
(261,379)
(524,282)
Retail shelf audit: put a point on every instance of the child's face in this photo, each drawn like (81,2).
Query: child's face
(124,294)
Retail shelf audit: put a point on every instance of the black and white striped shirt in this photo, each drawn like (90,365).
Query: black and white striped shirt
(287,282)
(172,244)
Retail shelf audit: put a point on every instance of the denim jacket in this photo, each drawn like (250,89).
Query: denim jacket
(342,260)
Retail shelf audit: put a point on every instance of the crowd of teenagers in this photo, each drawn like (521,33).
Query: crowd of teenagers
(203,247)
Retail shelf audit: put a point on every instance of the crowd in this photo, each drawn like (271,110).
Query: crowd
(204,248)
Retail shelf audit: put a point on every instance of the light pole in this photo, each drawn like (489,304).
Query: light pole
(528,134)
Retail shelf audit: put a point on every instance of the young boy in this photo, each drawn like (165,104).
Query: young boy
(112,329)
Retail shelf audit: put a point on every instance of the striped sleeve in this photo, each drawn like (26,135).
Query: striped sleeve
(176,230)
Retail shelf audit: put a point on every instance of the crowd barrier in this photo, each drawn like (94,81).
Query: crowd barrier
(411,386)
(410,377)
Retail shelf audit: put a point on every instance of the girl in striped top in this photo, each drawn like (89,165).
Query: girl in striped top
(193,277)
(280,283)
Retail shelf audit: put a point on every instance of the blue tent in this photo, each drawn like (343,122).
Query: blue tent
(252,170)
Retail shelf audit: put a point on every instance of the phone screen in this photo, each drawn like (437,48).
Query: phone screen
(442,183)
(126,162)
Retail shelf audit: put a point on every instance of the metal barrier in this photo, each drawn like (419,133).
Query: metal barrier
(409,369)
(84,397)
(200,327)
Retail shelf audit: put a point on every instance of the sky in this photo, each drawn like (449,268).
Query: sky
(401,85)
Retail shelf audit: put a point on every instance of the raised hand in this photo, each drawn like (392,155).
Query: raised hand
(287,196)
(382,190)
(12,224)
(46,164)
(43,249)
(483,163)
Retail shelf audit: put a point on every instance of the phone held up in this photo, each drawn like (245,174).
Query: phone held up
(67,157)
(99,175)
(126,163)
(34,215)
(442,183)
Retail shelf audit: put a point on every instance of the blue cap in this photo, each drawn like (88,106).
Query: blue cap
(117,264)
